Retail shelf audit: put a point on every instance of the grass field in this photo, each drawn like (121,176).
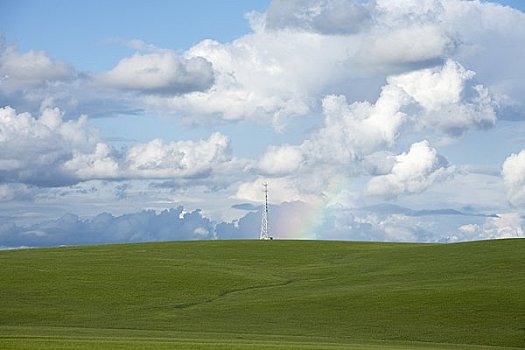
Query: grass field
(265,295)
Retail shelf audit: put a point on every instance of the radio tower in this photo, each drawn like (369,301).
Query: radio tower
(264,220)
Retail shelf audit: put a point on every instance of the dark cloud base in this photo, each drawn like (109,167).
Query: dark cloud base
(145,226)
(290,220)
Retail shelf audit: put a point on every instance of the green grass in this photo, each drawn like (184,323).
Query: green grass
(264,295)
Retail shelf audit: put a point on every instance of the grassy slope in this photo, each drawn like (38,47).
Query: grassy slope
(297,293)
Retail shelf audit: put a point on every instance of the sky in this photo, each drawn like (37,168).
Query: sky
(132,121)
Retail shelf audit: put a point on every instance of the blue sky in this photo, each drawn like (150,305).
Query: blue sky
(75,30)
(359,114)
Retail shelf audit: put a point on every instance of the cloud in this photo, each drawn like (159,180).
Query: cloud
(32,81)
(435,99)
(508,225)
(33,150)
(160,72)
(352,46)
(357,138)
(156,159)
(29,69)
(386,223)
(259,77)
(101,164)
(513,173)
(487,34)
(281,160)
(245,206)
(381,223)
(349,133)
(369,78)
(412,11)
(263,75)
(15,192)
(47,151)
(434,88)
(282,190)
(372,227)
(413,172)
(146,226)
(135,44)
(289,220)
(327,17)
(446,99)
(392,49)
(29,78)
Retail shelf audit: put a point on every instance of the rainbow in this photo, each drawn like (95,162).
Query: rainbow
(301,220)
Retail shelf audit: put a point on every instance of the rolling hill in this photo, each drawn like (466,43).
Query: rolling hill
(264,295)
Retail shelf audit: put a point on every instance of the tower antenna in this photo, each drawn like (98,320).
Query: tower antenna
(264,220)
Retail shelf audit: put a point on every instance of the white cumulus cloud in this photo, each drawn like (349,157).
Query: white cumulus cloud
(282,190)
(513,173)
(281,160)
(350,46)
(390,50)
(263,75)
(157,159)
(101,164)
(434,99)
(447,101)
(32,150)
(507,225)
(48,151)
(413,172)
(29,69)
(349,133)
(161,72)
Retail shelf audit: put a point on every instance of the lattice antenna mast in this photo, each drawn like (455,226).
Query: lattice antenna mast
(264,220)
